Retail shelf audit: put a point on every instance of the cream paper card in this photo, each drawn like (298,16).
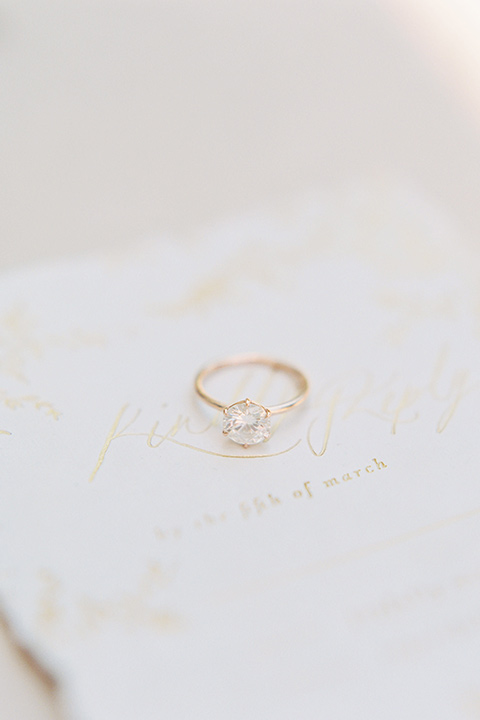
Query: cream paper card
(155,568)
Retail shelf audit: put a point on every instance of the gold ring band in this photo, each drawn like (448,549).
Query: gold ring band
(246,421)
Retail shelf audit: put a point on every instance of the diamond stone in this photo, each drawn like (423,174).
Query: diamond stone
(246,423)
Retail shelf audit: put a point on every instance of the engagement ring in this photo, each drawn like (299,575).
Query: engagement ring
(245,421)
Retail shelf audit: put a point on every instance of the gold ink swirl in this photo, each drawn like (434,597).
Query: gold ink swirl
(114,434)
(14,403)
(328,427)
(18,342)
(460,389)
(284,578)
(211,452)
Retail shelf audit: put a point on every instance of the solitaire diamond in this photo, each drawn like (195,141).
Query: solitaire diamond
(246,423)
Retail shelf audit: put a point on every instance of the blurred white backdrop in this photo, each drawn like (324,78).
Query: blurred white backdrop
(124,120)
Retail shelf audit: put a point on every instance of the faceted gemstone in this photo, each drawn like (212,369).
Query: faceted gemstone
(246,423)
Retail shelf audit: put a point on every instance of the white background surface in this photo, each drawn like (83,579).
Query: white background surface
(121,121)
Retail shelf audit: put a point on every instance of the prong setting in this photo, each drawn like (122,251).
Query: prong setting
(246,422)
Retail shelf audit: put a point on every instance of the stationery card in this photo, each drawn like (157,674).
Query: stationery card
(157,569)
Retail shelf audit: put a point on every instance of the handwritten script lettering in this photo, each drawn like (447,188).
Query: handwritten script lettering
(390,403)
(154,439)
